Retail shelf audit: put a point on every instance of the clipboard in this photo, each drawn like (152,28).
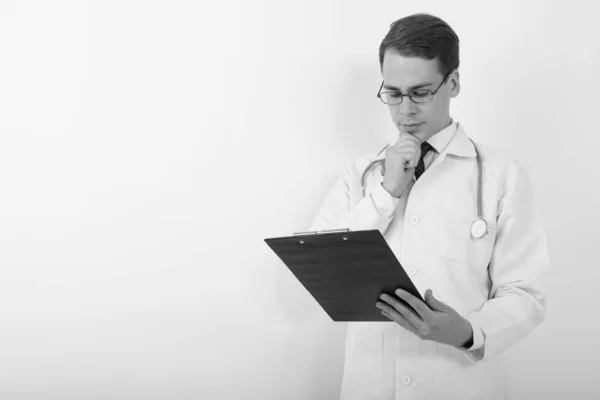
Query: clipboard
(344,271)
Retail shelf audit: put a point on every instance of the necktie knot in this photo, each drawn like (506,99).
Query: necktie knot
(425,148)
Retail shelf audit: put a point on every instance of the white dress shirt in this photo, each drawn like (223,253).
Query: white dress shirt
(493,281)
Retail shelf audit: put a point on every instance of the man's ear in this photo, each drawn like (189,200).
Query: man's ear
(454,84)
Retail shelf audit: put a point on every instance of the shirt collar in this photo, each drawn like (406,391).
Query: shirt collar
(442,138)
(452,137)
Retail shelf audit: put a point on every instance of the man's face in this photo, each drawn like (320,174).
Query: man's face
(405,74)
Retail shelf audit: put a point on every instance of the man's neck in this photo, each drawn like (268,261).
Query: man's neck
(444,126)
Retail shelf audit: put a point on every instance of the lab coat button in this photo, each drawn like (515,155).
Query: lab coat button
(414,220)
(412,271)
(406,380)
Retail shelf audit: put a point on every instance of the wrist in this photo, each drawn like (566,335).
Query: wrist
(468,343)
(392,192)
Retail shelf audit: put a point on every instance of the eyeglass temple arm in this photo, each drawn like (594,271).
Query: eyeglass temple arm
(379,91)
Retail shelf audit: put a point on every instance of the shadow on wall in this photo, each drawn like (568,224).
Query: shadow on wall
(361,126)
(362,120)
(314,344)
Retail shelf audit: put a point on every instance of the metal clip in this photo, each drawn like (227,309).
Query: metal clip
(324,232)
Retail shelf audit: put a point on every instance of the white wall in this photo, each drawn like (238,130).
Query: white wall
(148,148)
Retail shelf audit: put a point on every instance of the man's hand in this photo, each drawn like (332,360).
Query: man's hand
(434,320)
(401,159)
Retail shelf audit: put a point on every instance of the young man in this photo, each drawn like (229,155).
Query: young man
(481,289)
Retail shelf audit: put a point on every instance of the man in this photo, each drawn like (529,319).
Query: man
(482,295)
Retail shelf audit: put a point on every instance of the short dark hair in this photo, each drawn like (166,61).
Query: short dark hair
(423,35)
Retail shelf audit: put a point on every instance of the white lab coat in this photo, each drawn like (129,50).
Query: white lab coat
(493,282)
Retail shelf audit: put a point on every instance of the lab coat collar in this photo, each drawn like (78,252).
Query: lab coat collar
(460,145)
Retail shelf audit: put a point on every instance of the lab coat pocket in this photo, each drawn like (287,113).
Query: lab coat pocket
(458,378)
(363,365)
(458,244)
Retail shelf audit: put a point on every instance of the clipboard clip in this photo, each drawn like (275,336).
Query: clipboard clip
(324,232)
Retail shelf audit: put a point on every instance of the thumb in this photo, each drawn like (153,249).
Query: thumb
(434,303)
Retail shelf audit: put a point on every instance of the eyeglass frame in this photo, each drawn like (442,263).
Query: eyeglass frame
(408,95)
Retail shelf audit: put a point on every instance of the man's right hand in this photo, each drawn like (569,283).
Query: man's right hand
(400,162)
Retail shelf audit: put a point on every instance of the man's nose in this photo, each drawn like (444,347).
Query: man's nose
(407,106)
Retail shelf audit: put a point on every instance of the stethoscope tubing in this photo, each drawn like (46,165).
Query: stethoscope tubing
(479,183)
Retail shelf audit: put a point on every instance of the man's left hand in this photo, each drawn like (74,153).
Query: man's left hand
(433,319)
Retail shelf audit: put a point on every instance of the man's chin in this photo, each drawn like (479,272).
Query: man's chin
(418,133)
(413,130)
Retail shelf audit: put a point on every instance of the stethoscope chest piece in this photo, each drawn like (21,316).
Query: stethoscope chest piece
(479,228)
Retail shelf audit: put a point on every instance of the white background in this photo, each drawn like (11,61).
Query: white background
(148,148)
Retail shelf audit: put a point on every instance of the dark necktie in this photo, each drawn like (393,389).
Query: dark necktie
(425,147)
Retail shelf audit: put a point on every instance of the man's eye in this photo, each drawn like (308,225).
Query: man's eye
(420,93)
(394,95)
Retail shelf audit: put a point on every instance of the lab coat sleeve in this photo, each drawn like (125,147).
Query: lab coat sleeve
(344,206)
(517,303)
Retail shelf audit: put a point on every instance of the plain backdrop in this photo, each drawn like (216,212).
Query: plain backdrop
(148,147)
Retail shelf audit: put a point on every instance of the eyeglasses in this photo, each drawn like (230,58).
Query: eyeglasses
(418,96)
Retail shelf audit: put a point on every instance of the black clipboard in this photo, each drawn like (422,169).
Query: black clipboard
(345,271)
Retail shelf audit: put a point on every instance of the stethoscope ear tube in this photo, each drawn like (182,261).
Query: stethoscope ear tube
(369,167)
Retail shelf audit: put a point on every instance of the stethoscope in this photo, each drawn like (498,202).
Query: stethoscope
(479,228)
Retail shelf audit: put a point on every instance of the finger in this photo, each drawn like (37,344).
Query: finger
(405,146)
(409,143)
(403,322)
(407,156)
(420,307)
(413,145)
(391,304)
(409,172)
(409,147)
(411,159)
(409,137)
(435,304)
(395,153)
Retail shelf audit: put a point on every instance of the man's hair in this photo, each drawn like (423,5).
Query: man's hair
(423,35)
